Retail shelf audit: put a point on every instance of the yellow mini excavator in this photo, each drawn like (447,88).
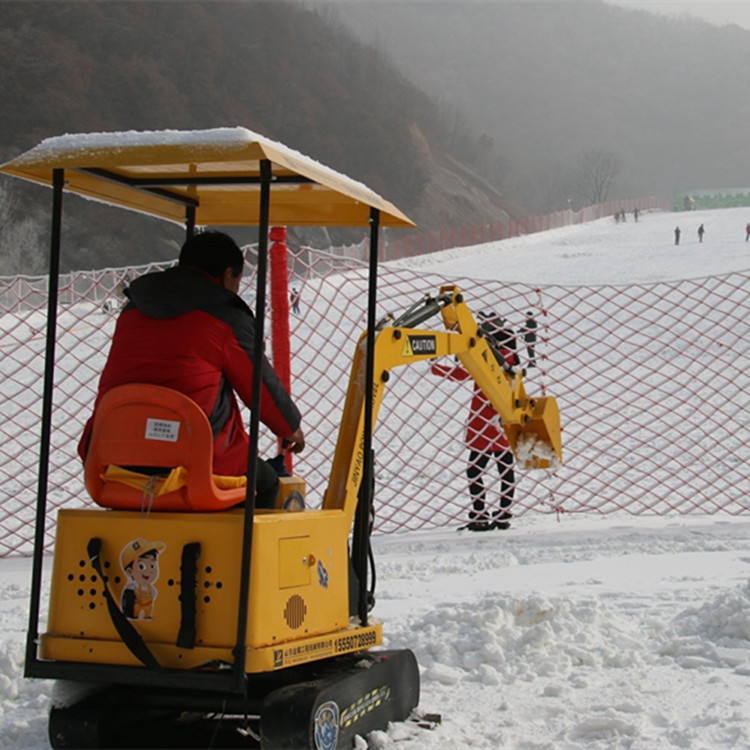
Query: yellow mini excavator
(176,618)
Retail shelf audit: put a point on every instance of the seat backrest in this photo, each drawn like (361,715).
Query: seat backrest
(139,426)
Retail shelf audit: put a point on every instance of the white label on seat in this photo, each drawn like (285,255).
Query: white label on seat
(162,429)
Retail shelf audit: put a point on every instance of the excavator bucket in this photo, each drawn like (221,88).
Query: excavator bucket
(538,444)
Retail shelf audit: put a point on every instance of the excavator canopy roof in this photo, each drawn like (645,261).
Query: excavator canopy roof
(217,172)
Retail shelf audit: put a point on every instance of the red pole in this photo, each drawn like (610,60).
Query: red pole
(281,354)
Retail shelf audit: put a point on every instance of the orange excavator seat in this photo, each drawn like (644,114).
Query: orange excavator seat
(151,449)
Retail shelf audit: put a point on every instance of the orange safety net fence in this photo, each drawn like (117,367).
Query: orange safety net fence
(653,384)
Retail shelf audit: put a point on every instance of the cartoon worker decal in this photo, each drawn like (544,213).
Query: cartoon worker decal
(139,562)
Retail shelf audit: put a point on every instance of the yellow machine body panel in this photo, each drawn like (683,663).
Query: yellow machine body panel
(299,597)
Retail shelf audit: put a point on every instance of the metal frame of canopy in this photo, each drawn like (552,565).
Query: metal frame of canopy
(222,176)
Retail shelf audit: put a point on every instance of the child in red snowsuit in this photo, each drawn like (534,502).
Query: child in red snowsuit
(485,437)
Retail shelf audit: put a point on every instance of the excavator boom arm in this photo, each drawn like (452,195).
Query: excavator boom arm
(531,425)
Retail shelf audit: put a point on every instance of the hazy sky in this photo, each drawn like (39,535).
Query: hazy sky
(719,12)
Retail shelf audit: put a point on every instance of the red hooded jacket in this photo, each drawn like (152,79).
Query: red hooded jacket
(184,331)
(484,431)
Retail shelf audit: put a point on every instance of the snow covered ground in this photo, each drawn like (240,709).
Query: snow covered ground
(582,632)
(603,252)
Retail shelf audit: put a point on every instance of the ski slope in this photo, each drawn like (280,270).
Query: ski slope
(559,634)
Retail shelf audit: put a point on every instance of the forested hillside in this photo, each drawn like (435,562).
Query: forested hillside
(458,112)
(287,72)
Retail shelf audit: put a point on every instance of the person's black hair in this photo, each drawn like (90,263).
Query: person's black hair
(212,252)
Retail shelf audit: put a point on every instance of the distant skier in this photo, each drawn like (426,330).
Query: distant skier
(701,232)
(747,232)
(294,298)
(676,235)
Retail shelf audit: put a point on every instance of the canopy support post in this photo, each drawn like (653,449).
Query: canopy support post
(361,542)
(190,221)
(32,635)
(252,463)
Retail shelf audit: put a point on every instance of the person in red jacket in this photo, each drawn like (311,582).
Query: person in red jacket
(186,328)
(485,437)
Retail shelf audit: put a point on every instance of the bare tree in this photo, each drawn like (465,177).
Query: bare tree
(7,206)
(595,173)
(21,249)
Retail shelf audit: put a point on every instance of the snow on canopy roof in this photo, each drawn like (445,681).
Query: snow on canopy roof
(217,171)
